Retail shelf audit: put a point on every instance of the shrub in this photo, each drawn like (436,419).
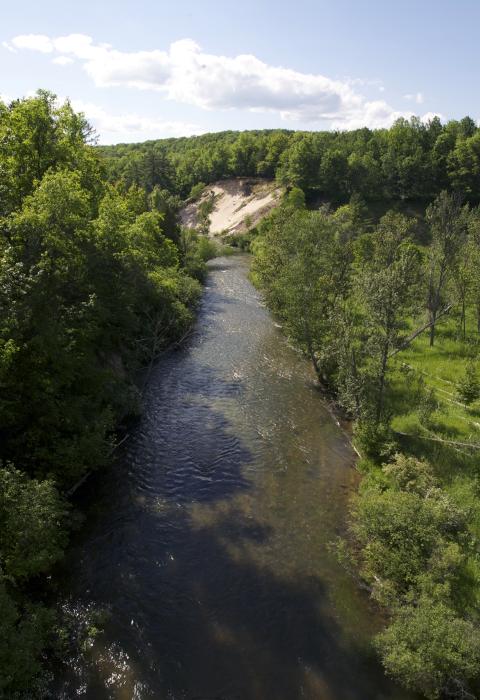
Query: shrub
(431,650)
(373,440)
(196,191)
(468,387)
(427,405)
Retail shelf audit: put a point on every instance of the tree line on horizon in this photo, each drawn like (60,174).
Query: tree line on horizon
(412,160)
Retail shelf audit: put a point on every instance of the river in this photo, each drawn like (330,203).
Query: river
(207,542)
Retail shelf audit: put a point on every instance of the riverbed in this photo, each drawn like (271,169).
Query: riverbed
(208,541)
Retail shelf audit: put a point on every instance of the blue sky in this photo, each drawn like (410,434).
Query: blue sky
(153,69)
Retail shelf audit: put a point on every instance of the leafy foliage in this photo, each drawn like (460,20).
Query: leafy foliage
(409,161)
(431,649)
(469,385)
(92,286)
(349,292)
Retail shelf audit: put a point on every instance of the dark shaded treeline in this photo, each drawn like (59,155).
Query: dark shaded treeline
(411,160)
(94,281)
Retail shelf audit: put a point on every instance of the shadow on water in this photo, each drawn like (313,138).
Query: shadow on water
(207,541)
(190,640)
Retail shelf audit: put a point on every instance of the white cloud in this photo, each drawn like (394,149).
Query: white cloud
(34,42)
(187,74)
(376,115)
(428,116)
(415,97)
(62,60)
(131,127)
(7,46)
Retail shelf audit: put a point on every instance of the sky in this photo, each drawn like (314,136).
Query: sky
(153,69)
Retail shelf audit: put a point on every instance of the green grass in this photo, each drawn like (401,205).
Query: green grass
(458,467)
(439,368)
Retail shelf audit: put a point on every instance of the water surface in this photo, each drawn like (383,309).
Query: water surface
(208,540)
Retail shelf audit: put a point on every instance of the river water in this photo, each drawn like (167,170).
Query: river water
(208,541)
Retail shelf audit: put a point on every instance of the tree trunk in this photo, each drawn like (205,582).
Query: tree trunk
(463,319)
(314,360)
(433,319)
(381,388)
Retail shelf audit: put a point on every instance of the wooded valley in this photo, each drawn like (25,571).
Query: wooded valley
(371,264)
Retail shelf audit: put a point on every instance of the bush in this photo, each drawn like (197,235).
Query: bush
(196,191)
(373,440)
(468,387)
(23,636)
(295,198)
(206,248)
(427,405)
(410,548)
(431,650)
(32,525)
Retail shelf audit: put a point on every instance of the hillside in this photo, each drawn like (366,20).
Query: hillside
(238,204)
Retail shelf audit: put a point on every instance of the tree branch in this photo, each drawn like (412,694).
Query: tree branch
(408,340)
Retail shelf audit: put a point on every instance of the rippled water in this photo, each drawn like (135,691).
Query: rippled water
(208,540)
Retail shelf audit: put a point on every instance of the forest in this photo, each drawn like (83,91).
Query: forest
(370,264)
(411,161)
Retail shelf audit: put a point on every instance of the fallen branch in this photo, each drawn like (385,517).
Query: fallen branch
(434,439)
(81,481)
(76,486)
(408,340)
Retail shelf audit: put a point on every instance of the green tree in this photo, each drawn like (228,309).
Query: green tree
(447,220)
(464,166)
(431,650)
(23,637)
(387,279)
(468,387)
(304,268)
(32,518)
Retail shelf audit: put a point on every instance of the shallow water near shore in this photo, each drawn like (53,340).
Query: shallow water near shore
(207,542)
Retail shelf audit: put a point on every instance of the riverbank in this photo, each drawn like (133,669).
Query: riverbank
(350,297)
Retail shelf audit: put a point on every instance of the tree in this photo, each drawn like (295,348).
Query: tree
(464,166)
(304,267)
(410,547)
(37,135)
(447,221)
(471,255)
(32,538)
(23,638)
(431,650)
(32,533)
(469,385)
(405,168)
(299,163)
(387,279)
